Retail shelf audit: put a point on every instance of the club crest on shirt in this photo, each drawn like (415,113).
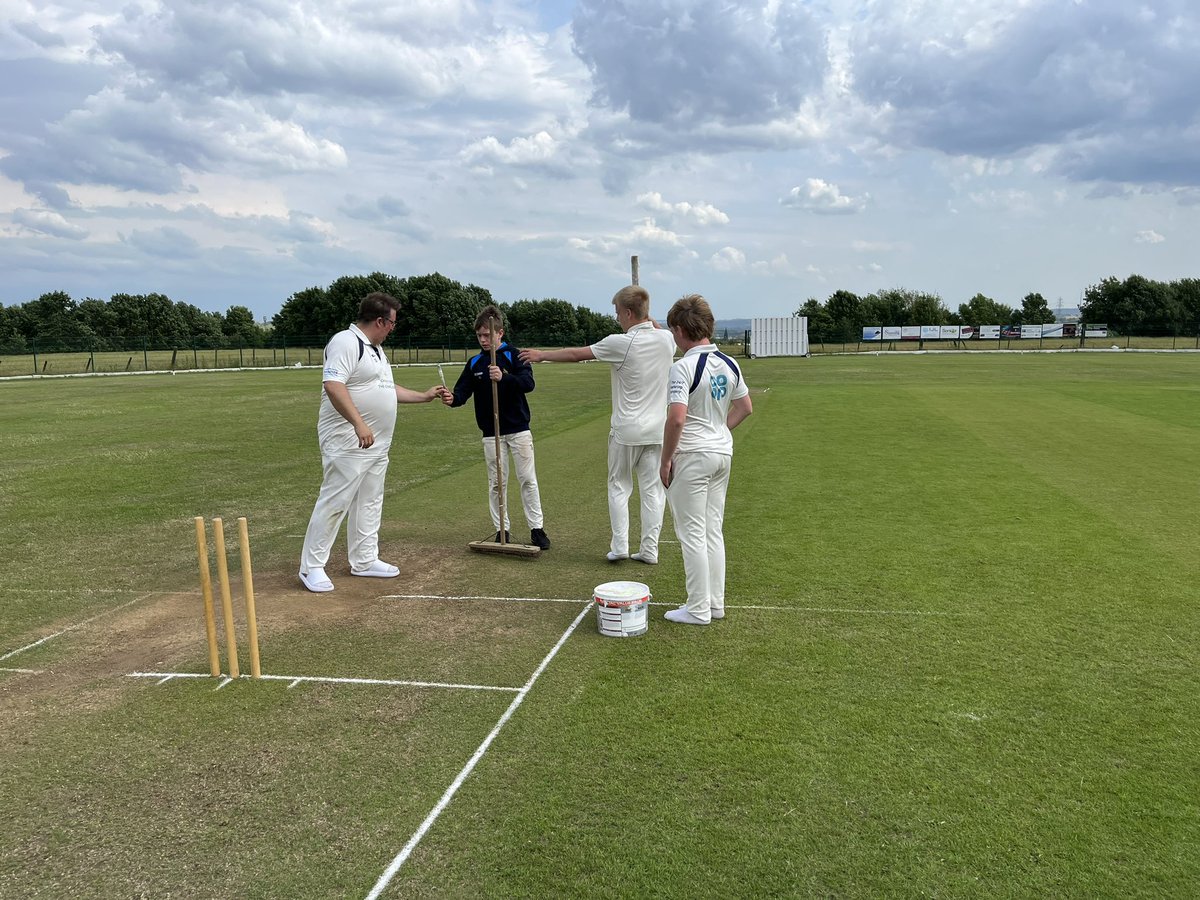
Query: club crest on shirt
(719,385)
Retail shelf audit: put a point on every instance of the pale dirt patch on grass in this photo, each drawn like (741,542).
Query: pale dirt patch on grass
(83,670)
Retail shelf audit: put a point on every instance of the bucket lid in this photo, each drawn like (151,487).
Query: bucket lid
(622,593)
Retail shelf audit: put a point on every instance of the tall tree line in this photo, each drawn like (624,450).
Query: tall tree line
(55,321)
(434,309)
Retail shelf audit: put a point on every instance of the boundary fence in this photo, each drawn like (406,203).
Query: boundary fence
(1120,342)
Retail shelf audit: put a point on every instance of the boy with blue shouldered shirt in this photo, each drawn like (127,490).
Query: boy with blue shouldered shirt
(707,399)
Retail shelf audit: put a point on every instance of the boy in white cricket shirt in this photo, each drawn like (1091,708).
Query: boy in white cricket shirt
(707,399)
(641,358)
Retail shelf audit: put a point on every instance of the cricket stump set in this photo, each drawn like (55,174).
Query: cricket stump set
(206,589)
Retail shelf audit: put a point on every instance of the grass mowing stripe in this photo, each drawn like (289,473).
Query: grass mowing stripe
(390,872)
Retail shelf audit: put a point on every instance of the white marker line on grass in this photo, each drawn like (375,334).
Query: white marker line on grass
(23,671)
(403,855)
(472,597)
(813,609)
(848,610)
(70,591)
(50,637)
(164,677)
(297,679)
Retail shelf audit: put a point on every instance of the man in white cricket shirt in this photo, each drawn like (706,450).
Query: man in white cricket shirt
(354,429)
(640,358)
(708,398)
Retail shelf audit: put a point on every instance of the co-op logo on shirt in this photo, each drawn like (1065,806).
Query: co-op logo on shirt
(719,385)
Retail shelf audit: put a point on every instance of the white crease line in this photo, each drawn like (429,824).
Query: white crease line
(849,610)
(225,679)
(509,599)
(76,626)
(69,591)
(24,671)
(165,676)
(403,855)
(811,609)
(321,679)
(296,679)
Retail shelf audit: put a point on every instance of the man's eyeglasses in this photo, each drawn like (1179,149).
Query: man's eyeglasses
(391,323)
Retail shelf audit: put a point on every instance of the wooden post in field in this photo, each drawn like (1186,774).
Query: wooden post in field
(633,265)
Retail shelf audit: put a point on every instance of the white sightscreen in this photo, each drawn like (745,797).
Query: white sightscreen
(779,336)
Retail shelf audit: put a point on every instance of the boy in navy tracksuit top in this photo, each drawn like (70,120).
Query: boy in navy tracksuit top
(514,379)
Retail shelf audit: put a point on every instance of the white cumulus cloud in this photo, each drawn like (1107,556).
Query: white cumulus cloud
(701,213)
(1148,237)
(49,223)
(728,259)
(822,197)
(536,150)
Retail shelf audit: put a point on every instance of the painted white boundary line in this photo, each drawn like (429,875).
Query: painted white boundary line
(812,609)
(23,671)
(403,855)
(164,677)
(70,590)
(77,625)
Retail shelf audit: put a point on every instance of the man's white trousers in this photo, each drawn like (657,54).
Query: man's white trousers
(520,445)
(697,498)
(352,489)
(624,462)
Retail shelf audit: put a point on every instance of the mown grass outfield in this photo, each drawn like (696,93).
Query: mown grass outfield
(961,657)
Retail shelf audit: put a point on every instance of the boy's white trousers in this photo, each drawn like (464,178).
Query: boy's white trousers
(520,445)
(624,462)
(697,498)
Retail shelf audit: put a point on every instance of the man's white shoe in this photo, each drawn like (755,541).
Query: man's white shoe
(617,557)
(643,558)
(683,617)
(377,569)
(718,613)
(316,581)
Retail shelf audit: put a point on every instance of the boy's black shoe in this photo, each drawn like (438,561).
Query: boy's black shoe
(507,537)
(538,538)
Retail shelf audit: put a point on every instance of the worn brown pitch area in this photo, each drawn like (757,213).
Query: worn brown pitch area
(84,668)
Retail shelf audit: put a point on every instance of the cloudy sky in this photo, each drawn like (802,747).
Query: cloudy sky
(757,152)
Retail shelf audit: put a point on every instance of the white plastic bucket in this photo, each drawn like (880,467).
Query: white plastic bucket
(621,608)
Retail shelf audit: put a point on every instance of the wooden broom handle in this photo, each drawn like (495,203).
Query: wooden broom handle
(496,428)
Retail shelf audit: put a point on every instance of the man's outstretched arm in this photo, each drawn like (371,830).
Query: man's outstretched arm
(568,354)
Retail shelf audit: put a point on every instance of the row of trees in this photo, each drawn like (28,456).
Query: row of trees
(434,309)
(1136,305)
(56,320)
(843,315)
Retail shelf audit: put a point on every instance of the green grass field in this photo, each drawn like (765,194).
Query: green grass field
(961,656)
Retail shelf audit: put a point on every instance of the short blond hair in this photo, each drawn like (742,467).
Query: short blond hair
(634,298)
(693,316)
